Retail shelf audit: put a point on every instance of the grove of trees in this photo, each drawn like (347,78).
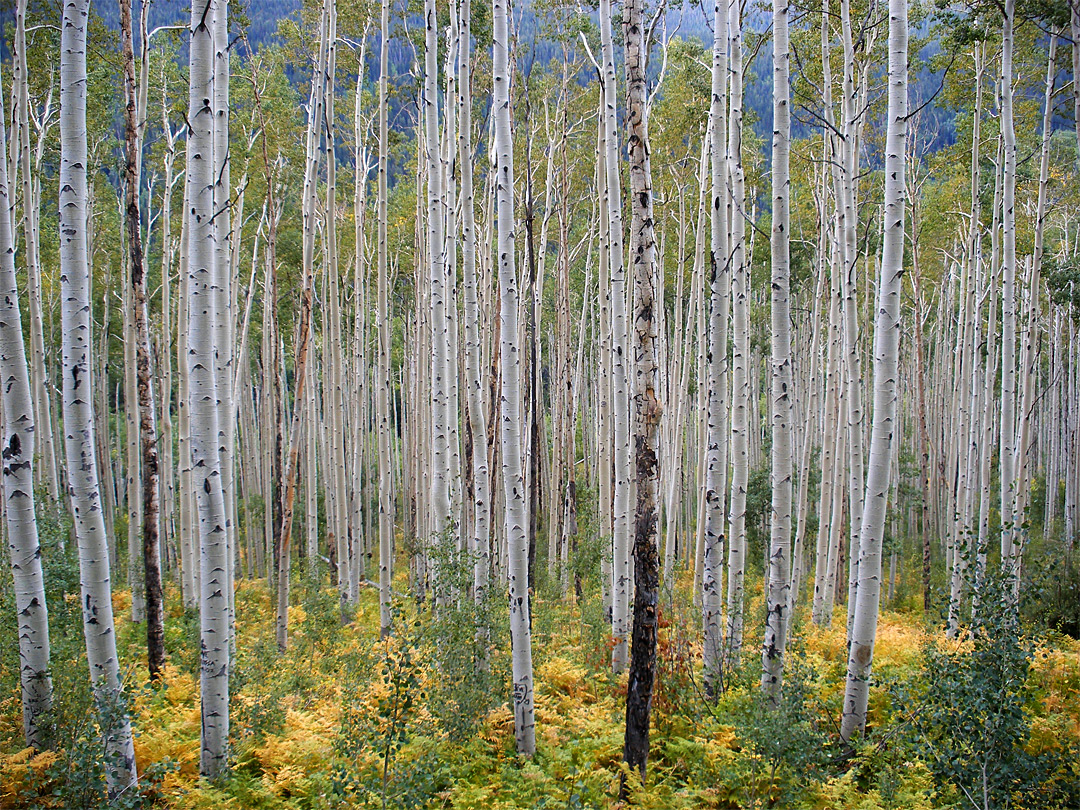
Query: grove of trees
(690,392)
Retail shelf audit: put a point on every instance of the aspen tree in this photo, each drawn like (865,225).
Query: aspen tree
(79,429)
(514,512)
(440,363)
(479,538)
(203,398)
(717,429)
(382,365)
(621,584)
(148,439)
(223,290)
(779,581)
(24,551)
(132,456)
(647,406)
(31,196)
(1074,28)
(359,475)
(740,308)
(886,362)
(303,374)
(961,530)
(1010,521)
(168,468)
(809,419)
(189,551)
(849,223)
(334,396)
(605,478)
(1030,368)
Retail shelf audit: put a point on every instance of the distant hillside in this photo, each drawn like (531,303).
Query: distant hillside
(263,14)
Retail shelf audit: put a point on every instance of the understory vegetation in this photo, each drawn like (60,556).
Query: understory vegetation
(420,720)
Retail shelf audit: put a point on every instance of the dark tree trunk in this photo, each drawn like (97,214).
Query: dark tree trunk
(155,618)
(647,407)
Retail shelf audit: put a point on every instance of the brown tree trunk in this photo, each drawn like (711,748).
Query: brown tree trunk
(647,407)
(155,621)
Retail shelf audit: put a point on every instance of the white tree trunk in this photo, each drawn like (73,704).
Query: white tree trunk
(203,397)
(621,577)
(777,598)
(479,538)
(31,197)
(79,440)
(24,551)
(1010,521)
(740,307)
(440,354)
(886,364)
(717,430)
(382,365)
(514,517)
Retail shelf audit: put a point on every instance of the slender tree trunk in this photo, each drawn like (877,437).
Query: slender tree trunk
(382,365)
(647,406)
(302,374)
(203,398)
(79,441)
(441,501)
(780,542)
(31,194)
(1010,521)
(717,430)
(151,555)
(886,362)
(481,505)
(740,304)
(224,327)
(515,517)
(1030,368)
(24,551)
(620,609)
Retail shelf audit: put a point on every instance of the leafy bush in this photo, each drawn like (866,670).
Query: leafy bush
(971,715)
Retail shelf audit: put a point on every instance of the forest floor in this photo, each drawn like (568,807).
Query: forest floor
(344,719)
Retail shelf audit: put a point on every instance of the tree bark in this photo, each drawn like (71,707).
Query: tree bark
(886,363)
(24,551)
(647,406)
(151,554)
(382,366)
(203,396)
(717,430)
(514,516)
(79,440)
(620,603)
(777,598)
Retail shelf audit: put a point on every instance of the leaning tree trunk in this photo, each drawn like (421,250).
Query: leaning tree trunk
(79,439)
(155,616)
(24,551)
(886,367)
(780,543)
(648,409)
(510,418)
(203,396)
